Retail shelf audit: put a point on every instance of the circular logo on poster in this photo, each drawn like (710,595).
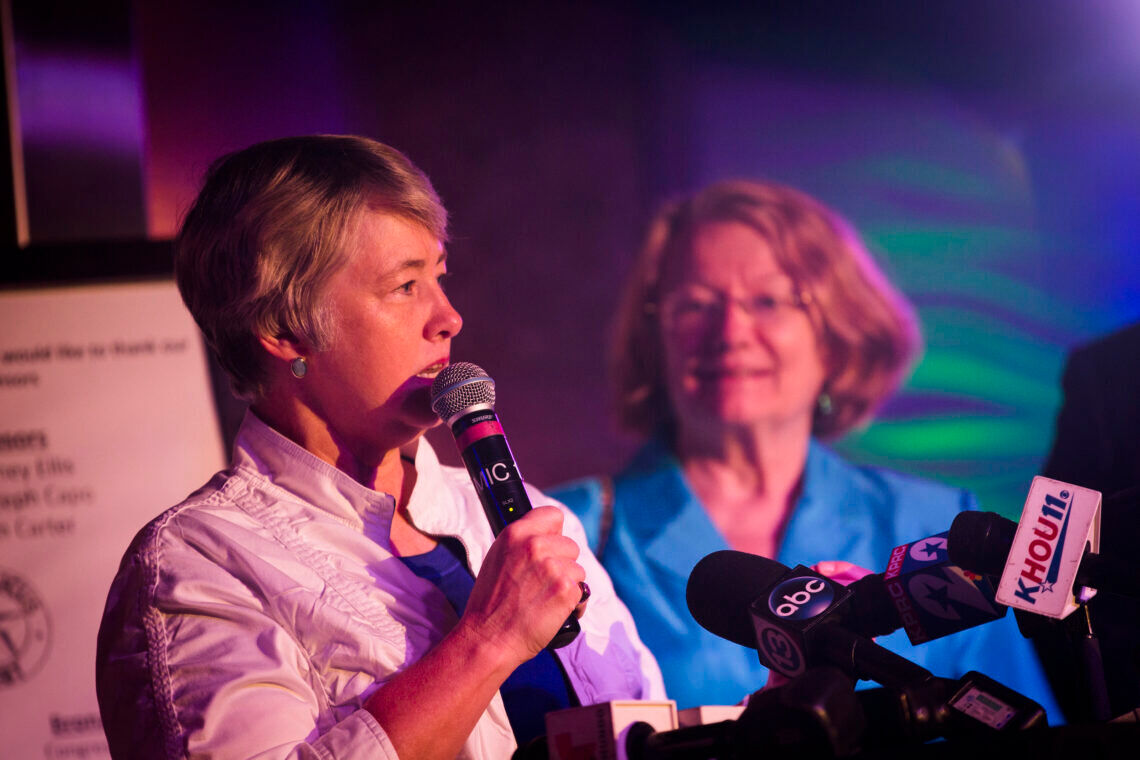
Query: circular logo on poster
(25,630)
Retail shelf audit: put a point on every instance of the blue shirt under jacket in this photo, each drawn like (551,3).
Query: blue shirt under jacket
(858,514)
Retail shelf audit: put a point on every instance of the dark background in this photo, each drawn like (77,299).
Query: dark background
(552,131)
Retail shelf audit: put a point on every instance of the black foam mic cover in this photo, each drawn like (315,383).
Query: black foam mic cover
(721,588)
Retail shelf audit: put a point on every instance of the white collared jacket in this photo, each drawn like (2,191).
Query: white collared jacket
(255,618)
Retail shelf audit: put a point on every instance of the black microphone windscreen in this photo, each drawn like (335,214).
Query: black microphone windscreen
(872,612)
(980,542)
(723,586)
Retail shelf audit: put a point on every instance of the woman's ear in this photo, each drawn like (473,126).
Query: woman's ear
(284,346)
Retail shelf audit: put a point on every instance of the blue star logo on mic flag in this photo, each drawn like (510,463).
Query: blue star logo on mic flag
(931,549)
(940,595)
(948,594)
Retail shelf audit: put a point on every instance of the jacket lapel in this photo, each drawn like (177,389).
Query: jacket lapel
(671,524)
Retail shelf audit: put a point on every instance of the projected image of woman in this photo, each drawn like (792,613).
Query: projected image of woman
(755,325)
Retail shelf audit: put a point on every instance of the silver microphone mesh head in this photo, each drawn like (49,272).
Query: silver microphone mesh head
(461,386)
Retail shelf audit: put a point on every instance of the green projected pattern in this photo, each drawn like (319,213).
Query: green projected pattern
(948,206)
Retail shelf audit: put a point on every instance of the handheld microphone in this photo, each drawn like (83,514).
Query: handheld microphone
(463,396)
(794,619)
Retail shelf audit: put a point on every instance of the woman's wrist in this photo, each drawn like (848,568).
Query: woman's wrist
(472,643)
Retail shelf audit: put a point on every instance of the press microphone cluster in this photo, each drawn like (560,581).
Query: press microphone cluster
(795,619)
(819,714)
(933,587)
(803,624)
(463,396)
(741,597)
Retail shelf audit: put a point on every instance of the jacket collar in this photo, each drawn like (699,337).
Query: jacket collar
(825,522)
(272,457)
(262,451)
(668,519)
(676,531)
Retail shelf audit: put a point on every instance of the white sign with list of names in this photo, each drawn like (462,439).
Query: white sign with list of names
(106,420)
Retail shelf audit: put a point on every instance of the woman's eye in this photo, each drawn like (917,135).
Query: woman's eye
(407,287)
(442,280)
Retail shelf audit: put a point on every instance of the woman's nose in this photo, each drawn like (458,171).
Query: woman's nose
(446,321)
(736,324)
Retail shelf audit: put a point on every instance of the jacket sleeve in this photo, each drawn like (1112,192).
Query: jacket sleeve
(608,660)
(189,664)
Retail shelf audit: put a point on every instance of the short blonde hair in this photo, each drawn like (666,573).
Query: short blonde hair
(866,330)
(268,230)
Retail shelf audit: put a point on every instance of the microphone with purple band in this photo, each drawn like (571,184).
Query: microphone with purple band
(463,396)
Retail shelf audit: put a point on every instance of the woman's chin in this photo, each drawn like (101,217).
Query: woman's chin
(733,407)
(737,414)
(410,407)
(417,408)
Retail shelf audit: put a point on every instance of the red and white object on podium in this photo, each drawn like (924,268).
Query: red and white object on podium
(598,732)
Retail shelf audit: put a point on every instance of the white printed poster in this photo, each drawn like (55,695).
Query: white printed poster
(106,420)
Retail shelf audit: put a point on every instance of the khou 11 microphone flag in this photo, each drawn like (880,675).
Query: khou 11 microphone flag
(1057,524)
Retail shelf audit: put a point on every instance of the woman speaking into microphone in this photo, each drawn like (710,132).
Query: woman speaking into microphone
(337,592)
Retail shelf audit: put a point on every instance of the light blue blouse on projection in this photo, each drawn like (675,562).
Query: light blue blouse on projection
(858,514)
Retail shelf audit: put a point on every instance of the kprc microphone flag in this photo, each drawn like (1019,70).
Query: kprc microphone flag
(934,597)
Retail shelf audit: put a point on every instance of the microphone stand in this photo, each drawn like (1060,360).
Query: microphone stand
(1092,667)
(816,714)
(1078,632)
